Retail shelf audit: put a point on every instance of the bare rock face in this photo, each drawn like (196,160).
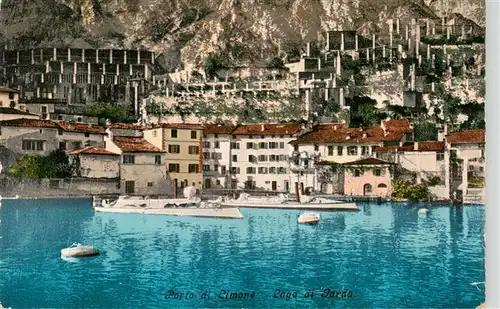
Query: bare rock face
(242,31)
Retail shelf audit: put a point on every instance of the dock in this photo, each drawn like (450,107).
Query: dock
(295,206)
(222,213)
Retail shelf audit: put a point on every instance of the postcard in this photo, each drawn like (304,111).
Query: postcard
(242,154)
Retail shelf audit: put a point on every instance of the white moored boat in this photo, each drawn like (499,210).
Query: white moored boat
(187,206)
(284,202)
(79,250)
(309,218)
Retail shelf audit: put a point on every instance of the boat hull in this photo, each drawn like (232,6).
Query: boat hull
(226,213)
(83,251)
(298,206)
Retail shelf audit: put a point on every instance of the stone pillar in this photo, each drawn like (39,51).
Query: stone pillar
(465,174)
(390,40)
(356,42)
(17,57)
(125,57)
(37,92)
(138,56)
(41,55)
(448,32)
(117,69)
(62,67)
(397,25)
(110,56)
(342,45)
(338,65)
(407,33)
(54,54)
(373,41)
(427,27)
(97,56)
(83,54)
(131,71)
(383,51)
(368,54)
(103,69)
(308,49)
(69,54)
(428,52)
(32,56)
(433,29)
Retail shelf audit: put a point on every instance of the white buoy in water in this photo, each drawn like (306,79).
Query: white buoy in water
(79,250)
(423,211)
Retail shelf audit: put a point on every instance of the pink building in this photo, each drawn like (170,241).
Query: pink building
(367,177)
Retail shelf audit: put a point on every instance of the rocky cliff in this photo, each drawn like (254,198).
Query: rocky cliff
(187,30)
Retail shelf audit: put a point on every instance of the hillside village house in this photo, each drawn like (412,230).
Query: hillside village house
(217,156)
(30,136)
(44,107)
(259,156)
(426,158)
(466,162)
(142,168)
(9,97)
(182,143)
(367,177)
(94,162)
(336,144)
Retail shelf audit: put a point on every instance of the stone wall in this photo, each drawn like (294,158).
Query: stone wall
(58,187)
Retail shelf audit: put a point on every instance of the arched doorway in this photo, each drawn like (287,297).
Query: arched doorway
(367,189)
(208,183)
(324,187)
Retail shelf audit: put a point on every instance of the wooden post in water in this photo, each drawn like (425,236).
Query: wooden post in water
(297,191)
(175,188)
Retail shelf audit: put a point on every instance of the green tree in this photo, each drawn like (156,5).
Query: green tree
(213,64)
(364,112)
(425,131)
(55,165)
(276,64)
(114,112)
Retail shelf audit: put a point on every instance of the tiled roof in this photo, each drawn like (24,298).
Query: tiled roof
(218,129)
(135,144)
(93,151)
(194,126)
(268,129)
(128,126)
(330,134)
(368,161)
(6,89)
(13,111)
(419,146)
(24,122)
(43,101)
(397,125)
(470,136)
(81,127)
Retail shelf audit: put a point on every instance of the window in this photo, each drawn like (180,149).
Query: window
(282,145)
(216,155)
(59,117)
(194,135)
(216,135)
(193,168)
(316,147)
(281,170)
(155,133)
(340,150)
(206,155)
(60,131)
(194,150)
(295,147)
(150,184)
(216,167)
(222,169)
(158,159)
(128,159)
(173,168)
(439,156)
(262,158)
(174,148)
(216,145)
(206,168)
(262,170)
(249,145)
(272,170)
(206,144)
(217,182)
(87,134)
(365,150)
(262,145)
(272,158)
(77,144)
(11,95)
(330,150)
(377,172)
(250,170)
(282,158)
(79,119)
(252,159)
(352,151)
(173,133)
(382,185)
(273,145)
(357,173)
(235,170)
(235,158)
(235,145)
(62,146)
(33,145)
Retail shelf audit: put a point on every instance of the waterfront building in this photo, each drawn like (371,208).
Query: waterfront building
(142,166)
(465,162)
(217,156)
(329,144)
(182,143)
(32,136)
(367,177)
(95,162)
(79,75)
(260,156)
(7,113)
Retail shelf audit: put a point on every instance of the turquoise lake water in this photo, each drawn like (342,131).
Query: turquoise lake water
(382,256)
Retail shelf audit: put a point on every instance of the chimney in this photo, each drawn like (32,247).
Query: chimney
(415,146)
(364,135)
(335,127)
(262,127)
